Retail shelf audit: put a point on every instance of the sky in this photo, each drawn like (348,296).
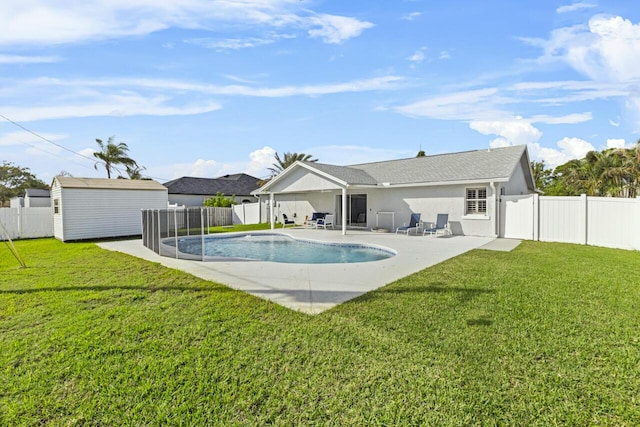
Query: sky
(213,87)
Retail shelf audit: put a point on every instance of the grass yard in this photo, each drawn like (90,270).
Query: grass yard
(547,334)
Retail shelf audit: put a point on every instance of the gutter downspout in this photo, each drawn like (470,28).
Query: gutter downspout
(496,209)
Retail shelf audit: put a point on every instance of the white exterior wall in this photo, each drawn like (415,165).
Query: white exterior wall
(428,201)
(297,206)
(517,185)
(101,213)
(37,202)
(16,202)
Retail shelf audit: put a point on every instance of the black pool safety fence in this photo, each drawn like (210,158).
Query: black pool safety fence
(164,230)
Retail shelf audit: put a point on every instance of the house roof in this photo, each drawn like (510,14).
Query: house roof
(496,164)
(111,184)
(239,184)
(480,165)
(36,192)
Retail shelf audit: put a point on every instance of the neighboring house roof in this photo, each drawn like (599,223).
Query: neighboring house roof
(111,184)
(239,184)
(36,192)
(496,164)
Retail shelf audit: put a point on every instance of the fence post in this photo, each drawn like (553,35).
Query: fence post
(202,232)
(175,229)
(536,217)
(19,220)
(584,218)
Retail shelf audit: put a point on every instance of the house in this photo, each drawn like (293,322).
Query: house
(192,191)
(32,198)
(465,185)
(93,208)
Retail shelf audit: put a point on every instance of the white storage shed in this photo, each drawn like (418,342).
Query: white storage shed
(94,208)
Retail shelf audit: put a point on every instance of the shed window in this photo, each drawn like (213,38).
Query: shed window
(476,201)
(56,206)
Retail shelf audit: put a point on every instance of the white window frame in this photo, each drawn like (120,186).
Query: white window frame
(478,203)
(56,206)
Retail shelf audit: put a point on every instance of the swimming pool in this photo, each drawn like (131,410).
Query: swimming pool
(273,247)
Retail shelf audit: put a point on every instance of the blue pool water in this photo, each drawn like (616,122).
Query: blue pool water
(278,248)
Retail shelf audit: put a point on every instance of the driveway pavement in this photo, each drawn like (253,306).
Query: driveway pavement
(313,288)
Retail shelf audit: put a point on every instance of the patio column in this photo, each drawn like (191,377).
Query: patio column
(271,210)
(344,211)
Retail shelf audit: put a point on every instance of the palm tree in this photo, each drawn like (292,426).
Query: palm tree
(287,160)
(135,172)
(112,154)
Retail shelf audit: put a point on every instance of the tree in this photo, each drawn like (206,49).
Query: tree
(614,172)
(135,172)
(220,201)
(287,160)
(112,154)
(421,153)
(541,175)
(15,179)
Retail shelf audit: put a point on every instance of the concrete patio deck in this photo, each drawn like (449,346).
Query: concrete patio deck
(313,288)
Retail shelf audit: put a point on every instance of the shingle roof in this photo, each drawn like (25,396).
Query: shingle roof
(350,175)
(113,184)
(36,192)
(239,184)
(494,164)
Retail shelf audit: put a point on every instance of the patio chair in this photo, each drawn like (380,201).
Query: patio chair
(325,222)
(413,225)
(286,221)
(441,226)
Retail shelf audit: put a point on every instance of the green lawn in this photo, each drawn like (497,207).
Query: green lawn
(547,334)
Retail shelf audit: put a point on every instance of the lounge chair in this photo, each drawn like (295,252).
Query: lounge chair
(441,226)
(286,221)
(413,225)
(325,222)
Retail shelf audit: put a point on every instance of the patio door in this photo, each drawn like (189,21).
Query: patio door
(356,210)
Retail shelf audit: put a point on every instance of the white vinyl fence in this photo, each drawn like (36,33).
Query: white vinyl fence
(599,221)
(247,213)
(26,223)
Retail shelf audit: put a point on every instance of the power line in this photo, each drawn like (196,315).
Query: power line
(65,148)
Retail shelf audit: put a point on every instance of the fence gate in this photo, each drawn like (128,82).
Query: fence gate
(517,217)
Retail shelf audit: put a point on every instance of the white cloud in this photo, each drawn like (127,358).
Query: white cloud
(557,120)
(515,132)
(118,105)
(605,50)
(417,57)
(481,104)
(231,44)
(150,97)
(615,123)
(260,161)
(27,138)
(569,149)
(336,29)
(66,21)
(411,16)
(444,55)
(21,59)
(575,6)
(619,143)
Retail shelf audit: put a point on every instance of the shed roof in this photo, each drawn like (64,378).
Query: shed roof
(109,184)
(239,184)
(37,192)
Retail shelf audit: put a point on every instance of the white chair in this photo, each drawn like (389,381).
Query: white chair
(325,222)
